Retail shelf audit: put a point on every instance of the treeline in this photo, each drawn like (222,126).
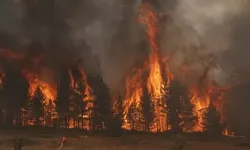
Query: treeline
(19,108)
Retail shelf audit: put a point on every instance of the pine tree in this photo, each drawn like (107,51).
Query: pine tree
(173,101)
(114,123)
(15,94)
(102,102)
(211,124)
(78,104)
(37,108)
(187,116)
(49,110)
(147,109)
(62,99)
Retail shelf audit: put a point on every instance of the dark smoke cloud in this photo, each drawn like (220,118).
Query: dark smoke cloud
(102,33)
(105,35)
(40,28)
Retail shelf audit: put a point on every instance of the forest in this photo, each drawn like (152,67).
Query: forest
(156,71)
(72,108)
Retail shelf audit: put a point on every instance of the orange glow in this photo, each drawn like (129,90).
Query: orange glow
(201,96)
(48,90)
(201,103)
(9,54)
(134,91)
(154,75)
(154,82)
(88,91)
(226,132)
(88,96)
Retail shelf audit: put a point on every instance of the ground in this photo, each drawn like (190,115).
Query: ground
(48,141)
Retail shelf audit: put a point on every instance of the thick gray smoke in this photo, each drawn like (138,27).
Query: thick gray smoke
(112,35)
(106,36)
(203,30)
(214,34)
(102,33)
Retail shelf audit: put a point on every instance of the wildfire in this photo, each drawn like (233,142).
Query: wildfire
(134,89)
(155,82)
(88,92)
(47,89)
(87,96)
(200,103)
(201,97)
(154,76)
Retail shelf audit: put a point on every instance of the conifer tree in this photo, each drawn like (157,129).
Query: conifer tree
(15,94)
(211,124)
(62,99)
(36,105)
(114,123)
(147,109)
(49,110)
(187,116)
(173,101)
(102,103)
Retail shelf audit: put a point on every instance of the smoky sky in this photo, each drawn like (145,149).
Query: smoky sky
(104,36)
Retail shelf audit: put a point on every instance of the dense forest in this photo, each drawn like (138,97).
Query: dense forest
(73,109)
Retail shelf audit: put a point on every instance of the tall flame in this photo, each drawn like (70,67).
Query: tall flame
(204,95)
(155,82)
(87,95)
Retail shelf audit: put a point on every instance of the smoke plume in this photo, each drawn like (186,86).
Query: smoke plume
(104,34)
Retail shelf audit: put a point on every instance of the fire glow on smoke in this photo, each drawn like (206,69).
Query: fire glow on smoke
(154,75)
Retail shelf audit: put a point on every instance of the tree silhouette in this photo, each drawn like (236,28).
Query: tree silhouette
(62,99)
(15,94)
(147,109)
(173,101)
(102,103)
(36,105)
(114,123)
(211,124)
(186,111)
(49,110)
(78,108)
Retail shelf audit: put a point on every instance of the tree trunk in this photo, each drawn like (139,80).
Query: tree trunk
(38,121)
(82,120)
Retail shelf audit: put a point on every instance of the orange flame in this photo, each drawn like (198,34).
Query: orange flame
(48,90)
(155,82)
(87,95)
(201,99)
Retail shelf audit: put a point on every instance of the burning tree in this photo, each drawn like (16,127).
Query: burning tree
(37,106)
(147,110)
